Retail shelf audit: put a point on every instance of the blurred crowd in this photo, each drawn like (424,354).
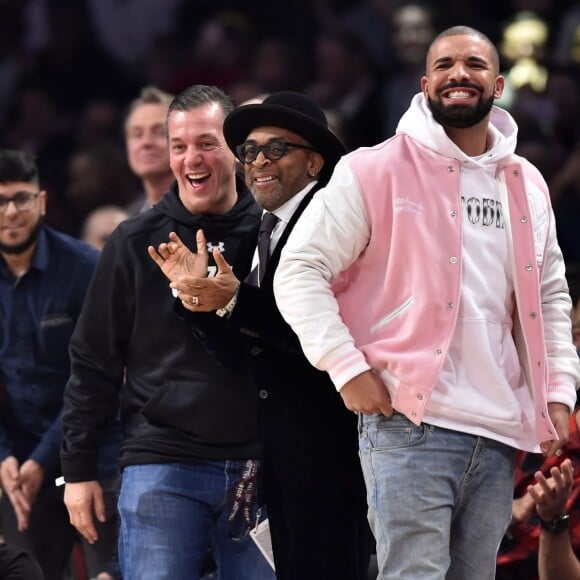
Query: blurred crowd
(69,68)
(71,71)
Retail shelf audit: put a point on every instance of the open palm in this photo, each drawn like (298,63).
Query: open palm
(176,260)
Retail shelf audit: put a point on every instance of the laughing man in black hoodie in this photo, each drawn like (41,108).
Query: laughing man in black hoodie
(190,426)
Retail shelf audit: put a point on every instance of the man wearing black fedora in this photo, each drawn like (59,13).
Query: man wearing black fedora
(312,480)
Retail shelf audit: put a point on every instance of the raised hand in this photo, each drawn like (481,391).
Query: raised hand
(208,294)
(176,260)
(551,494)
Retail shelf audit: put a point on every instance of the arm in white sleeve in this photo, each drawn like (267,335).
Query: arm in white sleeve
(329,236)
(564,367)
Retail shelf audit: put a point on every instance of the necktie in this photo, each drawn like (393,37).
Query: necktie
(269,220)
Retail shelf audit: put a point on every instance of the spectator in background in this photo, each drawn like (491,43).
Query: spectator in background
(147,149)
(556,560)
(100,223)
(43,279)
(518,553)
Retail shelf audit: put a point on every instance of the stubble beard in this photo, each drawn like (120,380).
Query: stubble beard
(15,249)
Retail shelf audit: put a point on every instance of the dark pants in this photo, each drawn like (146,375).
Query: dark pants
(50,536)
(314,492)
(18,565)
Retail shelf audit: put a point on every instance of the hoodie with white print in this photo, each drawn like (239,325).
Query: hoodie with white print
(481,388)
(404,264)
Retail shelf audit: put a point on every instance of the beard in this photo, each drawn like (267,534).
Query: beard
(15,249)
(460,116)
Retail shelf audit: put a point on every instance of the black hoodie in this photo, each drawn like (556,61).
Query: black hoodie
(129,348)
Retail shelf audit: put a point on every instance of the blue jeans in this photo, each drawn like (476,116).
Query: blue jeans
(439,500)
(172,513)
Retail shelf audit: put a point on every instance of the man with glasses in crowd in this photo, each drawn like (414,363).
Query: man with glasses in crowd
(43,280)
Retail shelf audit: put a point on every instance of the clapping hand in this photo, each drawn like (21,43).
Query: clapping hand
(551,494)
(176,260)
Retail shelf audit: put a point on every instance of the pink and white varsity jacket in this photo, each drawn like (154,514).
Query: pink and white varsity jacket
(371,275)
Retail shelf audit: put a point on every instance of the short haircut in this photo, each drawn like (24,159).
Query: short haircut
(466,31)
(200,95)
(149,95)
(18,166)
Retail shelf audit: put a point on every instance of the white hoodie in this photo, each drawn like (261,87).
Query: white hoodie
(481,389)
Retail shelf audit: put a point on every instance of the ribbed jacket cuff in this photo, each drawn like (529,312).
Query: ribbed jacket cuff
(562,389)
(343,364)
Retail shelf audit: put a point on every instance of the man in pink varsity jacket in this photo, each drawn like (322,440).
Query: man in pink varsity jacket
(426,279)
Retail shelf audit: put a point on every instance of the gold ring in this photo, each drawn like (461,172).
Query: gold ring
(558,452)
(195,300)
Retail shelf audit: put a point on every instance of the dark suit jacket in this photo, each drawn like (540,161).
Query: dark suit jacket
(311,475)
(257,340)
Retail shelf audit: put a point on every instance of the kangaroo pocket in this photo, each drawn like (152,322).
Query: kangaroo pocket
(211,414)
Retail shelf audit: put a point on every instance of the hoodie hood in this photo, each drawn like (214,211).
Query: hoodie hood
(418,122)
(171,206)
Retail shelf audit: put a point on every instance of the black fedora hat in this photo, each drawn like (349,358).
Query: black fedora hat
(288,110)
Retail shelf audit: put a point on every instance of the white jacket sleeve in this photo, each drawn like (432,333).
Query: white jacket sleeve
(328,237)
(564,367)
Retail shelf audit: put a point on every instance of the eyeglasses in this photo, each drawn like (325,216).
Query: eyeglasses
(22,200)
(273,150)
